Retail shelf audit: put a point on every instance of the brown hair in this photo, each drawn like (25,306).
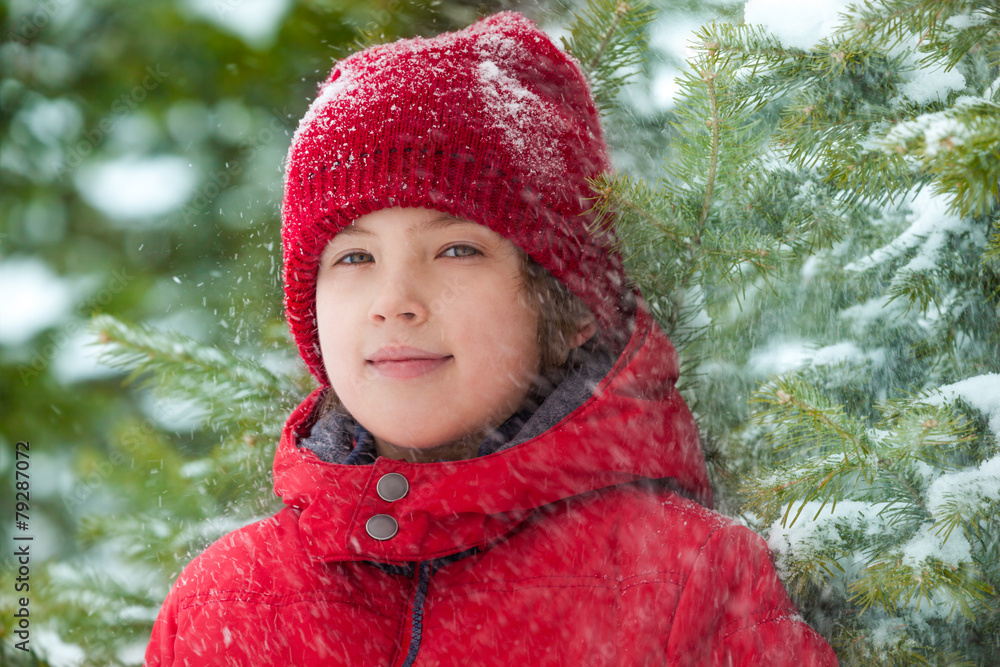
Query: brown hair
(561,316)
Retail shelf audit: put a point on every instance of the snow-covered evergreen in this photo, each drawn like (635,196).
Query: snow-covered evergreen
(824,244)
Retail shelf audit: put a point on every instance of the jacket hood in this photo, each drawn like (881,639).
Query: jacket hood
(634,427)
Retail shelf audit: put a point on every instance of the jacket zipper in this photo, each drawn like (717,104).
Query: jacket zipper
(417,617)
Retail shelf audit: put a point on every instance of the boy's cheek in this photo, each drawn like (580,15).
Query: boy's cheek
(449,294)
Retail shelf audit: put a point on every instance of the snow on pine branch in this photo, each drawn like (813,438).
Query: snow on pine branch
(930,222)
(235,391)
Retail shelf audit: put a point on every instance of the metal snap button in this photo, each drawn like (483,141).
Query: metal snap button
(382,527)
(392,486)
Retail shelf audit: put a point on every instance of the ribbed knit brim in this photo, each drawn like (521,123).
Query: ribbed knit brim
(492,123)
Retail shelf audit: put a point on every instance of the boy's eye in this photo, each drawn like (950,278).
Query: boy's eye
(356,257)
(460,251)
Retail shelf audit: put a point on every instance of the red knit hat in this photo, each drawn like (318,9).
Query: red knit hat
(492,124)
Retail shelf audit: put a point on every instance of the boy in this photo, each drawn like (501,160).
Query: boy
(496,468)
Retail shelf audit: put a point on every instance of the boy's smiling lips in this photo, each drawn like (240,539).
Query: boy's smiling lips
(401,362)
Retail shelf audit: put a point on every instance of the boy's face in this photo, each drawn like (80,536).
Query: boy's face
(425,332)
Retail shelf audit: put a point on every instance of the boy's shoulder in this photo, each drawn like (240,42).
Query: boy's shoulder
(656,536)
(261,558)
(647,527)
(654,506)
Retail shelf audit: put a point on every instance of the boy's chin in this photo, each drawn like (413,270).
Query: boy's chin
(415,445)
(416,441)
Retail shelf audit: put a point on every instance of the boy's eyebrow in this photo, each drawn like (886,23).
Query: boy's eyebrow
(351,230)
(439,222)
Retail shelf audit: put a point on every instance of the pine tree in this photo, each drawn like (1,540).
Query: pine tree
(830,221)
(180,502)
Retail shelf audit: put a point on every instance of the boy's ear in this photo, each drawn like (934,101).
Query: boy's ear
(586,330)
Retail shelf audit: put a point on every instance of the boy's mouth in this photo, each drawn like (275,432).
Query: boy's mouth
(405,362)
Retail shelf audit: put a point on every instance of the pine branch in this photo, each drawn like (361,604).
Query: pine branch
(239,392)
(632,206)
(960,148)
(992,253)
(891,584)
(929,21)
(607,37)
(714,122)
(729,256)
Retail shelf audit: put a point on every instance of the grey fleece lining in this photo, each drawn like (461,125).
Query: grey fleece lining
(333,436)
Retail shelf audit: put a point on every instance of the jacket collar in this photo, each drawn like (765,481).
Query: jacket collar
(635,426)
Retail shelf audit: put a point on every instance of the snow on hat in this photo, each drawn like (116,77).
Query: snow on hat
(492,123)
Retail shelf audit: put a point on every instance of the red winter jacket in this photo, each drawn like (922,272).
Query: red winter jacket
(561,550)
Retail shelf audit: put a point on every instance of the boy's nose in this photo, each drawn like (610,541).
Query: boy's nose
(398,300)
